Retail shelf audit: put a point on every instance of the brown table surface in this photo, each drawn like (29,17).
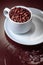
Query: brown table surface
(9,49)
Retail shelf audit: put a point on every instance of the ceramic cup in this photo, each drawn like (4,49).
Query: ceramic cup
(16,27)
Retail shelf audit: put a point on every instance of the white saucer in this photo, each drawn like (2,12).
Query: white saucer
(34,36)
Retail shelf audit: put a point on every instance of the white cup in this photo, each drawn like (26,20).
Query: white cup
(15,26)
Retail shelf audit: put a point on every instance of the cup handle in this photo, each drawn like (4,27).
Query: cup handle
(6,12)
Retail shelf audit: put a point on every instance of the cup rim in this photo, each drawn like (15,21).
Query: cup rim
(24,8)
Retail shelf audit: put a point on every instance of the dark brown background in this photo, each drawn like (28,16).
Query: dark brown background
(7,46)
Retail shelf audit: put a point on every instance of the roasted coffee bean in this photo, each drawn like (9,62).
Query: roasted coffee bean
(36,59)
(19,14)
(12,17)
(25,14)
(16,9)
(19,57)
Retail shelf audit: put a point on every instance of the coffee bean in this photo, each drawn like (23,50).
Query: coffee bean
(21,13)
(20,57)
(20,19)
(16,10)
(12,17)
(15,20)
(36,59)
(25,14)
(17,17)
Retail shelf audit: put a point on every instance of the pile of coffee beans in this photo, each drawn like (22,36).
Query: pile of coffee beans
(33,57)
(19,14)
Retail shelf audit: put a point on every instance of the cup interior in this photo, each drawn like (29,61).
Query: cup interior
(24,8)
